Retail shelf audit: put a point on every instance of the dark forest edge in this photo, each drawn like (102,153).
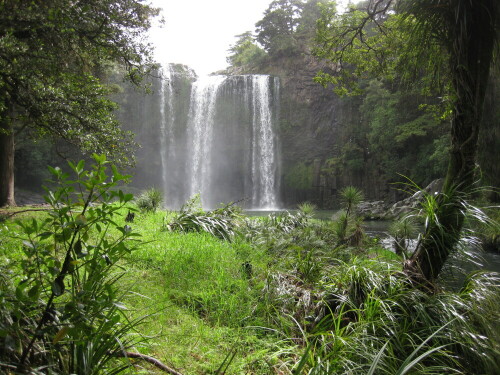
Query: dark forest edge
(57,90)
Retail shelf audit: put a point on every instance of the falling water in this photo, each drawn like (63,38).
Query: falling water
(167,118)
(263,145)
(200,128)
(227,149)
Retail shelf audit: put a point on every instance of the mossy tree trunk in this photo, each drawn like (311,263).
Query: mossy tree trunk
(472,35)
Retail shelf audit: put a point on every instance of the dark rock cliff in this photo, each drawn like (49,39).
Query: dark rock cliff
(312,130)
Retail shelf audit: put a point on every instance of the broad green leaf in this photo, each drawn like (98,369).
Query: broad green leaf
(81,220)
(34,291)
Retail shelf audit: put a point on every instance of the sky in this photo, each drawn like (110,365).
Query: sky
(199,33)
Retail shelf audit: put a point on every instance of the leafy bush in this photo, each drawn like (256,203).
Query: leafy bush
(374,323)
(60,303)
(150,200)
(307,209)
(220,222)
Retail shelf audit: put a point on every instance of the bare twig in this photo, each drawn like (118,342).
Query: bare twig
(10,214)
(149,359)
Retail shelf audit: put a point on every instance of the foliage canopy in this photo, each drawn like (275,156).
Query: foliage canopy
(53,57)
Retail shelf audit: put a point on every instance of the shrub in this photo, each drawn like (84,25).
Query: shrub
(308,209)
(60,304)
(350,197)
(402,231)
(375,323)
(220,222)
(150,200)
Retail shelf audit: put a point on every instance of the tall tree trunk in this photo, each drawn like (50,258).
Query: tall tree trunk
(6,160)
(472,37)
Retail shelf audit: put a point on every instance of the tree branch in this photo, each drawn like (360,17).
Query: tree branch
(149,359)
(10,214)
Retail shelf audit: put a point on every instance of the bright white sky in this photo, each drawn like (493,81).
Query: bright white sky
(199,33)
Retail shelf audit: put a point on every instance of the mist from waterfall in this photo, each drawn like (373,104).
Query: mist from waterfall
(225,146)
(167,119)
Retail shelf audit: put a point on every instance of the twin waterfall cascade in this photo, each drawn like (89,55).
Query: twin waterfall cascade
(224,147)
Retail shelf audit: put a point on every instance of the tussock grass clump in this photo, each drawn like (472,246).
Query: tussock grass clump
(150,200)
(402,231)
(217,225)
(307,209)
(375,323)
(350,197)
(221,222)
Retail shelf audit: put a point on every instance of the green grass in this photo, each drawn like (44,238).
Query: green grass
(182,339)
(10,245)
(202,304)
(205,304)
(200,298)
(200,271)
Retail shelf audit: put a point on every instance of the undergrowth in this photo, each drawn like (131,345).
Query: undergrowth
(288,294)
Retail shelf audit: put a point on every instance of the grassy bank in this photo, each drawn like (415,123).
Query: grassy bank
(199,296)
(288,294)
(344,306)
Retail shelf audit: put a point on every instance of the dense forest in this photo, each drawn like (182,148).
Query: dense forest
(369,103)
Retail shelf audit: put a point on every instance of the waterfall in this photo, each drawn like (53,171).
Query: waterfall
(167,119)
(263,145)
(200,132)
(224,145)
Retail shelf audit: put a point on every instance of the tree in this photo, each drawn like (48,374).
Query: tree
(449,42)
(276,31)
(404,138)
(310,13)
(245,51)
(52,55)
(288,26)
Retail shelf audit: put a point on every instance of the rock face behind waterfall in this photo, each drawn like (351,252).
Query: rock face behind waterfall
(312,127)
(140,113)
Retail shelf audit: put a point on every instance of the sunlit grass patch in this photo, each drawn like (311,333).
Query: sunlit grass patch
(183,339)
(215,279)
